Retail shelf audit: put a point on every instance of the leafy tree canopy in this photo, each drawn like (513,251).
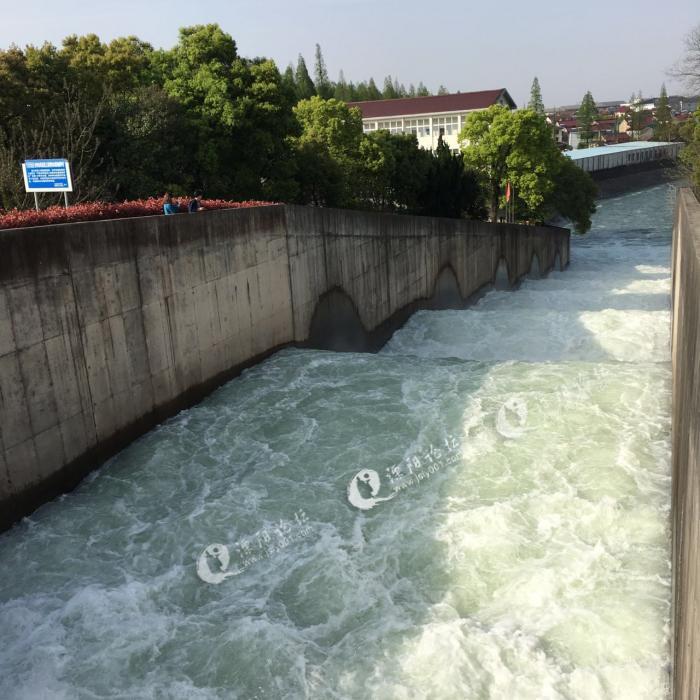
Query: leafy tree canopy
(517,147)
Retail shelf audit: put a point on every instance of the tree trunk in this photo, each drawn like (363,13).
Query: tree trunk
(495,195)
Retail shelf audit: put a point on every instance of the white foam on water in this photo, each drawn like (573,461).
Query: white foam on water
(535,564)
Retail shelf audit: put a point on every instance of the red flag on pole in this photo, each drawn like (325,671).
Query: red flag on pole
(508,192)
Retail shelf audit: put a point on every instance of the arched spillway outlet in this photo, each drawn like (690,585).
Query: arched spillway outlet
(534,272)
(446,292)
(501,279)
(336,324)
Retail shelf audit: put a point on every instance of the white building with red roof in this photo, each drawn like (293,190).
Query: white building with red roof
(428,117)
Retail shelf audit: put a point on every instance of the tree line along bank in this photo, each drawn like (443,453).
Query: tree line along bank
(135,121)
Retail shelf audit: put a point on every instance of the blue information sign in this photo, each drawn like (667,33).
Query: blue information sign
(48,175)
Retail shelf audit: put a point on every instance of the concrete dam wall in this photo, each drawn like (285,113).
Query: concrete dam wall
(686,447)
(107,328)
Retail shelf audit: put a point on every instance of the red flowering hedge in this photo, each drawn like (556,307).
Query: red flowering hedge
(92,211)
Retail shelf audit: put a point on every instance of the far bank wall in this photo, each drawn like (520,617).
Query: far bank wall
(685,512)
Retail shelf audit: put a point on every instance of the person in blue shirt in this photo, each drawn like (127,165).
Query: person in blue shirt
(170,206)
(195,203)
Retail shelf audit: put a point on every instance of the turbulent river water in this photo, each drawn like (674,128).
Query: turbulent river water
(523,553)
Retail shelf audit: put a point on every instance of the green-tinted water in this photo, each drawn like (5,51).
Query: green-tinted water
(525,557)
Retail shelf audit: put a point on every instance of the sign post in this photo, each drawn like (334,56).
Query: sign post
(47,175)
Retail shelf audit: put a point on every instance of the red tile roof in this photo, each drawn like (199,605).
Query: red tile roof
(435,104)
(616,138)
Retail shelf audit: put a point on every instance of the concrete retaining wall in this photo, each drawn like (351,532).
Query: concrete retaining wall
(107,328)
(686,448)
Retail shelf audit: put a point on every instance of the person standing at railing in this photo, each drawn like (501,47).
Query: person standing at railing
(195,203)
(170,206)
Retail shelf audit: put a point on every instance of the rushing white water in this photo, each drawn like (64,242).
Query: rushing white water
(532,561)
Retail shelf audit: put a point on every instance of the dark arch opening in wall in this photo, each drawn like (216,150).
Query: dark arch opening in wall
(535,270)
(446,292)
(501,280)
(336,325)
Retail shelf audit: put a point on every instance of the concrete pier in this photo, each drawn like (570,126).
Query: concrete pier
(107,328)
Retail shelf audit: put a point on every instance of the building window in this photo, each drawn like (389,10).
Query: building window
(449,125)
(369,126)
(393,126)
(419,127)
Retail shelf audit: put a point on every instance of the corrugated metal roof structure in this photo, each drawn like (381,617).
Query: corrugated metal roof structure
(607,157)
(434,104)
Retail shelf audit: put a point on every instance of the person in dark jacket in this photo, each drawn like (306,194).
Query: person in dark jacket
(195,203)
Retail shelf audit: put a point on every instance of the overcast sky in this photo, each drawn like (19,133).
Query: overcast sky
(610,48)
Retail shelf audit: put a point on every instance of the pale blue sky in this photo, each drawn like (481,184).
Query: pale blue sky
(610,48)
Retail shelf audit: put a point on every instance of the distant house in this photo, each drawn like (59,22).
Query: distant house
(429,117)
(602,130)
(646,130)
(561,134)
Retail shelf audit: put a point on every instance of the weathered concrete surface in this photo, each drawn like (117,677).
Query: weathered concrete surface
(686,448)
(107,328)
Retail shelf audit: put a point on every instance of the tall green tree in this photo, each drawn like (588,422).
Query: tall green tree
(663,127)
(389,92)
(573,195)
(323,85)
(392,172)
(373,92)
(422,91)
(304,85)
(237,109)
(289,83)
(451,189)
(331,132)
(149,144)
(690,155)
(516,146)
(586,115)
(342,90)
(331,123)
(442,90)
(536,104)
